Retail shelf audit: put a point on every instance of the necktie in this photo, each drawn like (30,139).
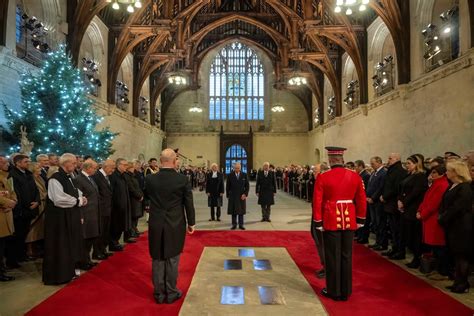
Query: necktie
(237,174)
(107,178)
(266,173)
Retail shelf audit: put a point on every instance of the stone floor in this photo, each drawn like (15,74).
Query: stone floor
(288,213)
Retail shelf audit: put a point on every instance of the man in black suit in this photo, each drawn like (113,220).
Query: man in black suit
(362,234)
(171,210)
(90,212)
(101,178)
(265,189)
(237,190)
(389,197)
(375,207)
(121,217)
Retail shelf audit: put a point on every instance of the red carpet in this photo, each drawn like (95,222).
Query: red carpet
(122,285)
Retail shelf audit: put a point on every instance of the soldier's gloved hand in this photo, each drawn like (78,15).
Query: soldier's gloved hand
(360,225)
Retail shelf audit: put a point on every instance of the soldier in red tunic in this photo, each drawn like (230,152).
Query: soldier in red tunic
(339,208)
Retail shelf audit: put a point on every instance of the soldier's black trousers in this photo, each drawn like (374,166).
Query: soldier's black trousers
(338,262)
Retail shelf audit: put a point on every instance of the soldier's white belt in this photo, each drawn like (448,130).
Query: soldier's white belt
(344,201)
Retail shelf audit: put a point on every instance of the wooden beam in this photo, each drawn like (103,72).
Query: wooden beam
(83,15)
(120,46)
(396,15)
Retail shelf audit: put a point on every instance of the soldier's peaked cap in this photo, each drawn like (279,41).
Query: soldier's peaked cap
(335,151)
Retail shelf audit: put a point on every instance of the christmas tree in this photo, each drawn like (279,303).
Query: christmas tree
(57,112)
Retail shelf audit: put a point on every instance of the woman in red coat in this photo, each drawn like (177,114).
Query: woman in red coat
(433,233)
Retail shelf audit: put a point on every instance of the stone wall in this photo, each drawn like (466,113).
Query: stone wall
(135,136)
(430,115)
(278,148)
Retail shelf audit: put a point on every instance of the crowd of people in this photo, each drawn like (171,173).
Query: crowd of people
(71,210)
(424,205)
(68,210)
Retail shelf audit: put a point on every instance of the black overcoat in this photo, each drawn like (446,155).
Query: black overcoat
(136,194)
(215,187)
(265,188)
(411,193)
(26,192)
(455,216)
(105,194)
(121,217)
(234,190)
(89,212)
(393,178)
(171,206)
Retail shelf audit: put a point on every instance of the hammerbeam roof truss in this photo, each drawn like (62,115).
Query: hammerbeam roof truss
(166,33)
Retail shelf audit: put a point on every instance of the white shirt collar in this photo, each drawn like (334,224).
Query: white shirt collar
(103,172)
(84,173)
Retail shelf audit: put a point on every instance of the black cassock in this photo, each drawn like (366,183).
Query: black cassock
(62,236)
(121,217)
(234,190)
(265,188)
(171,208)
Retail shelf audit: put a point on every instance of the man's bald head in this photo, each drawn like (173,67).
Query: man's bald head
(394,158)
(168,158)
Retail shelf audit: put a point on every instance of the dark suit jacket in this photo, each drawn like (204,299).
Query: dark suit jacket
(121,217)
(105,194)
(89,212)
(26,193)
(393,178)
(171,206)
(412,191)
(265,187)
(455,216)
(375,185)
(234,190)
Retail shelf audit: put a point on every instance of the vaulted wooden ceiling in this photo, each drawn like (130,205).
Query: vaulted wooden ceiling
(167,35)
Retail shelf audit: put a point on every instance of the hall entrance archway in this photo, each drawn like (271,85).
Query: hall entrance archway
(236,148)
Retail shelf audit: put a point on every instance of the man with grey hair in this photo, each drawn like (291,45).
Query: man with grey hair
(237,190)
(43,163)
(102,180)
(62,225)
(389,197)
(265,189)
(90,213)
(171,214)
(121,217)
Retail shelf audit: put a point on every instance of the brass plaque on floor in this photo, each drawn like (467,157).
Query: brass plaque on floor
(233,264)
(232,295)
(270,295)
(262,265)
(247,253)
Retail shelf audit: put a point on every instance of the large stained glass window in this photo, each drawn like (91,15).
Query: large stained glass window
(236,87)
(234,154)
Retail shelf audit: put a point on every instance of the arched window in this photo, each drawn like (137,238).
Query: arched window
(236,87)
(233,154)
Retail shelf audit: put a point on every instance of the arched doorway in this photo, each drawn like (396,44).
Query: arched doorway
(235,153)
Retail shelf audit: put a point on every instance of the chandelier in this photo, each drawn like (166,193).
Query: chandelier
(177,79)
(278,109)
(349,5)
(297,81)
(195,108)
(131,4)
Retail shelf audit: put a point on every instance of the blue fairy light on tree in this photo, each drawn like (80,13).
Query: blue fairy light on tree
(57,112)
